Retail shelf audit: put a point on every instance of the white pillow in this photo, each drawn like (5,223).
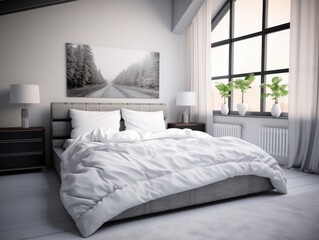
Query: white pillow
(84,121)
(142,122)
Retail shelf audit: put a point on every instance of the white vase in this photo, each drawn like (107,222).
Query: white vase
(242,108)
(275,110)
(224,109)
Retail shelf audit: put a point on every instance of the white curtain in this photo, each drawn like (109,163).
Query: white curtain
(199,63)
(304,86)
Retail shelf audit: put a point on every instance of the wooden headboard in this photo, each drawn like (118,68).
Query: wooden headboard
(61,121)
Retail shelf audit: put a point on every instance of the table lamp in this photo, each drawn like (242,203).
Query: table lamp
(186,99)
(24,94)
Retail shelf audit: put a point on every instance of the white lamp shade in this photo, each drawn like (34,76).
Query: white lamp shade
(24,93)
(186,99)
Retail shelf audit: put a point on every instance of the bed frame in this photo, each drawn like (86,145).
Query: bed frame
(229,188)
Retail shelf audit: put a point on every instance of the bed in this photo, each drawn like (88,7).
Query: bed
(231,187)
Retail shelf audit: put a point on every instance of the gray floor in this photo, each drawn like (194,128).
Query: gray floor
(30,208)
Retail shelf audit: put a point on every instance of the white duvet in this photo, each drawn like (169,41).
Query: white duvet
(105,172)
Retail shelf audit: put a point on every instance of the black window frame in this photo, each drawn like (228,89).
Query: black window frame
(229,6)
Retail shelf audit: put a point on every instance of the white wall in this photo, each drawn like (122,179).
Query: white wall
(32,49)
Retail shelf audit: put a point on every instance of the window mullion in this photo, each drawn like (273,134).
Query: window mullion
(263,54)
(231,50)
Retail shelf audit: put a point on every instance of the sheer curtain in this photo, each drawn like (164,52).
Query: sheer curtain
(199,63)
(304,86)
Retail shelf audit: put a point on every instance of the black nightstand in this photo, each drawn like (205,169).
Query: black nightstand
(193,126)
(22,148)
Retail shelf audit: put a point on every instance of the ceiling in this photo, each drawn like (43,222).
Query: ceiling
(13,6)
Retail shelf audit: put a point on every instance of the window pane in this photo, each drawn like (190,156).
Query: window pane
(278,50)
(248,17)
(247,55)
(221,31)
(216,98)
(219,61)
(278,12)
(251,97)
(283,102)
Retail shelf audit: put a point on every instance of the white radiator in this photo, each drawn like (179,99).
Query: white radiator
(274,141)
(223,129)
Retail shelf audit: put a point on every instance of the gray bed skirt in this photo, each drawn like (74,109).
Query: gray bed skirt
(229,188)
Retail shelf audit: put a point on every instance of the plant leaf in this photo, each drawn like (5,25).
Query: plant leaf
(276,80)
(264,95)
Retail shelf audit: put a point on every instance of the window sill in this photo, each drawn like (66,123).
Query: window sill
(284,116)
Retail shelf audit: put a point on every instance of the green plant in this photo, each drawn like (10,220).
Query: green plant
(244,84)
(277,90)
(224,90)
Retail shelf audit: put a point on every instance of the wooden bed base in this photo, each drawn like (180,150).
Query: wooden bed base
(229,188)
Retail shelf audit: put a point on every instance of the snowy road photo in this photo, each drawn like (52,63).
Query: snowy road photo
(103,72)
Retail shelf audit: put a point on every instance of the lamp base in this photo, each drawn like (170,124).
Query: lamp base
(186,115)
(24,118)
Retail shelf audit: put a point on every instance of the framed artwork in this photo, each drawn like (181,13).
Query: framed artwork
(103,72)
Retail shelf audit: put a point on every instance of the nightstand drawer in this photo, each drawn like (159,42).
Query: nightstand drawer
(21,134)
(22,161)
(21,146)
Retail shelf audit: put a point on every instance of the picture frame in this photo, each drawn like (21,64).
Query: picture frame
(104,72)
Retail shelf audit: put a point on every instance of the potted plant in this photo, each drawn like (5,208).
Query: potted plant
(277,91)
(224,91)
(243,85)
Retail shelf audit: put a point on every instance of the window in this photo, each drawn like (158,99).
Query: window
(251,36)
